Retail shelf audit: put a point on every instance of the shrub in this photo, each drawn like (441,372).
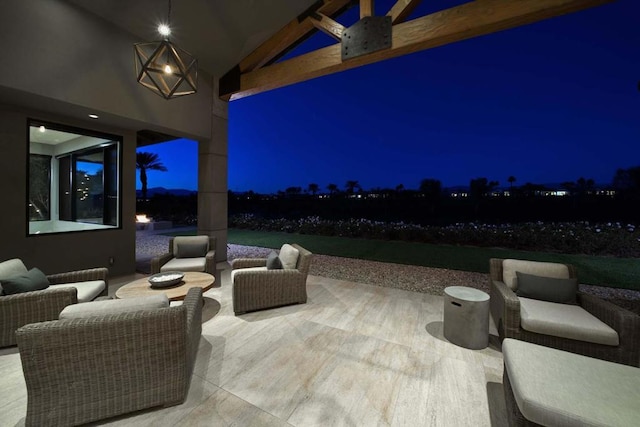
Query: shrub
(622,240)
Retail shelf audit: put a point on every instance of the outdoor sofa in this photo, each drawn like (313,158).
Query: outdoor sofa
(64,289)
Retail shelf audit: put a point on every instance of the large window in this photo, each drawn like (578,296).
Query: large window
(74,179)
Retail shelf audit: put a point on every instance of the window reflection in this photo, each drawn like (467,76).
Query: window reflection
(39,187)
(73,179)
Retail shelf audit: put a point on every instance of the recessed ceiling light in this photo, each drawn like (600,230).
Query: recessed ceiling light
(93,116)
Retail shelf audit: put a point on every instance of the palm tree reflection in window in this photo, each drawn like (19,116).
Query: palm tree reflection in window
(39,187)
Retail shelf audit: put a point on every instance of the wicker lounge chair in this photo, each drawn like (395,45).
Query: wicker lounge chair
(38,306)
(188,253)
(256,288)
(86,369)
(506,311)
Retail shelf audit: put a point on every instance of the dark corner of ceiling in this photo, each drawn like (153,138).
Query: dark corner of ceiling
(150,137)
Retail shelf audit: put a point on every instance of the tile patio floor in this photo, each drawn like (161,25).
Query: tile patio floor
(354,355)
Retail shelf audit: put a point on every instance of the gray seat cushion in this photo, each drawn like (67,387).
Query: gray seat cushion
(185,264)
(87,291)
(96,308)
(553,387)
(565,320)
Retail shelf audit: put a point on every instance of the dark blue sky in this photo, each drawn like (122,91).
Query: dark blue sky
(548,102)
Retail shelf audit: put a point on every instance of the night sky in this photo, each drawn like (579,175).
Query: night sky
(549,102)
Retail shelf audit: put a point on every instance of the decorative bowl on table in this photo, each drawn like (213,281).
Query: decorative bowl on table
(167,278)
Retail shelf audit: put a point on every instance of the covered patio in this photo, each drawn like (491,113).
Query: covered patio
(355,353)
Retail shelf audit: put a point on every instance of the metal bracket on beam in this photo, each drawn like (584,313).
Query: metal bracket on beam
(369,34)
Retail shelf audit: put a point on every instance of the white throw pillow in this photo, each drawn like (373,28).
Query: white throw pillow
(289,256)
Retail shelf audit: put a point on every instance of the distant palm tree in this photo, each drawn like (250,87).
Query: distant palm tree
(351,186)
(293,191)
(627,179)
(585,186)
(570,186)
(431,188)
(333,188)
(147,161)
(481,187)
(314,188)
(511,180)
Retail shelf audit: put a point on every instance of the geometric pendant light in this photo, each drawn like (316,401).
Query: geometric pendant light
(165,68)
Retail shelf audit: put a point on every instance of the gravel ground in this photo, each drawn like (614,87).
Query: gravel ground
(408,277)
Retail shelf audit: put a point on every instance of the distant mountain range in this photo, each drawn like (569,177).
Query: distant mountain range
(161,190)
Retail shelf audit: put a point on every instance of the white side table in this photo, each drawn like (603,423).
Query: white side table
(466,317)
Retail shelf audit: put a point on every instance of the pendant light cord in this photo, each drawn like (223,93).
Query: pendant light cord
(169,15)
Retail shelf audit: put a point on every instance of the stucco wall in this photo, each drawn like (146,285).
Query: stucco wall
(67,251)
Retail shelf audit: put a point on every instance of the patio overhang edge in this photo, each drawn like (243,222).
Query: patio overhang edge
(462,22)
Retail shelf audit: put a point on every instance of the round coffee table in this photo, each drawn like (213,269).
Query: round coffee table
(142,287)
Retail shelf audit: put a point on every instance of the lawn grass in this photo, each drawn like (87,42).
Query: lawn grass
(594,270)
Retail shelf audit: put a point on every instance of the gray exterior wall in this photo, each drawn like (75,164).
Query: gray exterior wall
(59,52)
(54,253)
(62,64)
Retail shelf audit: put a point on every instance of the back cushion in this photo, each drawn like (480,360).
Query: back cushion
(190,246)
(11,268)
(273,261)
(32,280)
(549,289)
(545,269)
(289,256)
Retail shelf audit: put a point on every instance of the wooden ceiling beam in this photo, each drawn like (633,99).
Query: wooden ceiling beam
(289,35)
(366,8)
(401,10)
(328,26)
(468,20)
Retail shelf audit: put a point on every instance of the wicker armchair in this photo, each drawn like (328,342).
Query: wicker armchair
(505,310)
(257,288)
(87,369)
(38,306)
(170,261)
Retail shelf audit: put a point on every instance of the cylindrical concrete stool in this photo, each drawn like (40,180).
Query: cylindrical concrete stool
(466,317)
